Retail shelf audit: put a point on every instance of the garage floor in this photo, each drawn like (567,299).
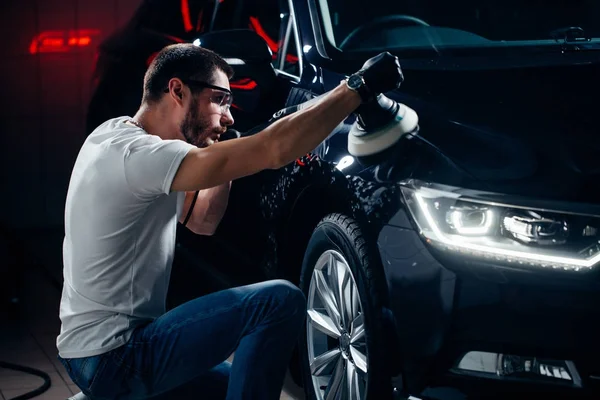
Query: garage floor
(28,337)
(30,340)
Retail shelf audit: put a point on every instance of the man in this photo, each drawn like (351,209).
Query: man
(127,192)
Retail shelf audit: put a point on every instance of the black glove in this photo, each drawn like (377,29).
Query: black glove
(382,73)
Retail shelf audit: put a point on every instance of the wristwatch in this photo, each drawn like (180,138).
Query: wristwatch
(357,83)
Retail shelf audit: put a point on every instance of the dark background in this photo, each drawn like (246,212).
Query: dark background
(45,96)
(42,119)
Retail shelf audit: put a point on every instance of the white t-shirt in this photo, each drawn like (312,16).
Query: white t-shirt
(120,226)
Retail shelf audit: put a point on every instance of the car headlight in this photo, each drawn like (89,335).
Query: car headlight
(479,226)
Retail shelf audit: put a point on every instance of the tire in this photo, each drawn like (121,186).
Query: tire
(340,237)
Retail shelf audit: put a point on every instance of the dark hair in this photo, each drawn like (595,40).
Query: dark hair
(183,61)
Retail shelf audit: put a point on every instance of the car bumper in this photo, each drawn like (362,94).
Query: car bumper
(443,310)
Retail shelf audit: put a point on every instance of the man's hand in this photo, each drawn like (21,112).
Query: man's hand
(382,73)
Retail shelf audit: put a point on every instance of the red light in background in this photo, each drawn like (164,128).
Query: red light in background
(84,41)
(243,84)
(291,59)
(80,41)
(187,17)
(50,42)
(62,41)
(185,13)
(257,27)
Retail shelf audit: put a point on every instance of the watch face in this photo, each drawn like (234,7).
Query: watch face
(355,81)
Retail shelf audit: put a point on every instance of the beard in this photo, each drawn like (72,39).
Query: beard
(196,129)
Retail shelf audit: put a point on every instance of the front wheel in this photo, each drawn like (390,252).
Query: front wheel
(343,344)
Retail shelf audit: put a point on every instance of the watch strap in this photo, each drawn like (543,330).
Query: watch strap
(363,90)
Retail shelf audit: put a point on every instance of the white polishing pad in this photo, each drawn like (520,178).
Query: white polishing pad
(361,143)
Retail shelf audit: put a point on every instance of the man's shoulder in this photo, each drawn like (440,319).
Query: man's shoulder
(114,126)
(120,137)
(117,132)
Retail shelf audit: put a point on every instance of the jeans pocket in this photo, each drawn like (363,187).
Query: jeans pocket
(84,371)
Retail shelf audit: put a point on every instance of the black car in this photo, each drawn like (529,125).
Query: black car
(464,255)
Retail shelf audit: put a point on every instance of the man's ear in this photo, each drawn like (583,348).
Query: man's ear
(176,89)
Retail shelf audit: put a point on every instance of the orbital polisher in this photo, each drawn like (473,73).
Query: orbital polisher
(379,125)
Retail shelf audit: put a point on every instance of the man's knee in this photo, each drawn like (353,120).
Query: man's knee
(287,295)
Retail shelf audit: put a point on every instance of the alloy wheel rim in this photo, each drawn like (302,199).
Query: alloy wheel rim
(337,350)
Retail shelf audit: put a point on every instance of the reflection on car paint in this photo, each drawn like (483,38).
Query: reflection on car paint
(371,203)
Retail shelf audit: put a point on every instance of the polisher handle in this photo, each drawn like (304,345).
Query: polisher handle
(376,114)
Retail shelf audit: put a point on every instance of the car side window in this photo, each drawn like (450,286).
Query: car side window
(274,21)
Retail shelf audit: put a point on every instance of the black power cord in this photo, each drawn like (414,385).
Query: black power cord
(13,241)
(45,386)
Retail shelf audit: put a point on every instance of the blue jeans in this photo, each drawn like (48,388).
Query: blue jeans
(181,355)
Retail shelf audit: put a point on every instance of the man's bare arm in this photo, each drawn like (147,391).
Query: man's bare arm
(208,210)
(275,146)
(290,137)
